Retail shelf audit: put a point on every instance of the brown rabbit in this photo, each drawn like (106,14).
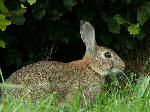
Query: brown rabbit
(46,77)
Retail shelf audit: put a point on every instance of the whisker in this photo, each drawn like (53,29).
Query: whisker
(129,82)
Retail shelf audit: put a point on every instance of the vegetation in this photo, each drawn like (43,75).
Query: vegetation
(134,97)
(33,30)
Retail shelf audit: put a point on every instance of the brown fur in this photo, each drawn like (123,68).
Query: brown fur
(87,74)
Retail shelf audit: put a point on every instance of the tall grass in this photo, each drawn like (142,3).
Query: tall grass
(134,97)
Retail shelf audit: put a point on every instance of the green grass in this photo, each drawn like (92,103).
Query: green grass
(133,97)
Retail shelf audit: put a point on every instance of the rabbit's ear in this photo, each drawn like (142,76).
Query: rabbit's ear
(88,36)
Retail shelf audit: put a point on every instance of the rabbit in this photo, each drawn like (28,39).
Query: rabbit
(86,74)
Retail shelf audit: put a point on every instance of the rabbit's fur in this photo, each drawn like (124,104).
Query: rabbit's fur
(64,78)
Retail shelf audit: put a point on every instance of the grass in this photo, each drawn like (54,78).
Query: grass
(133,97)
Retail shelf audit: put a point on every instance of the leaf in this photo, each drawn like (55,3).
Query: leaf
(22,6)
(69,4)
(141,35)
(18,20)
(134,29)
(3,28)
(4,22)
(143,13)
(2,16)
(2,44)
(31,2)
(20,11)
(129,44)
(142,16)
(56,15)
(120,20)
(3,9)
(38,14)
(113,26)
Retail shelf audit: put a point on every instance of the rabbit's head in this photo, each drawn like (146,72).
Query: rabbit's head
(101,59)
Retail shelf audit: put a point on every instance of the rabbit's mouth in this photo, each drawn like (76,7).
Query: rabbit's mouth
(117,67)
(111,71)
(114,70)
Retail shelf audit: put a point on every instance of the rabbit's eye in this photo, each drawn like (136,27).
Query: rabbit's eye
(107,55)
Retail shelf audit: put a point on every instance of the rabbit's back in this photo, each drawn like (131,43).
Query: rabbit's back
(50,76)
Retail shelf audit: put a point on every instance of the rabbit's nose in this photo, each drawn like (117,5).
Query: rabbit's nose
(123,65)
(120,65)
